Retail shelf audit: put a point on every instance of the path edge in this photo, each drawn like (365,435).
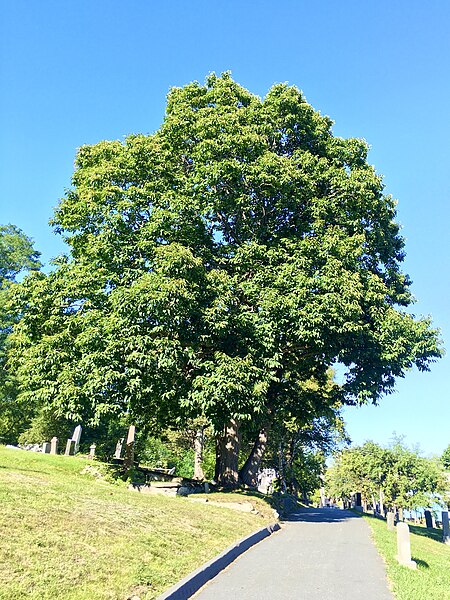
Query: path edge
(194,581)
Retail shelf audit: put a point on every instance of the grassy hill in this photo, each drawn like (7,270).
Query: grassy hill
(73,536)
(431,580)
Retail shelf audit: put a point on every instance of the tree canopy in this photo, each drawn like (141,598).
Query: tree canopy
(220,267)
(397,476)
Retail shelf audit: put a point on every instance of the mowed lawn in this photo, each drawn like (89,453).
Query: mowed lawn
(431,579)
(71,536)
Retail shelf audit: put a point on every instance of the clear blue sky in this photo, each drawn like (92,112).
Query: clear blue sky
(75,72)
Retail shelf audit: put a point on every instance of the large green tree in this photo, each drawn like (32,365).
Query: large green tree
(17,257)
(220,267)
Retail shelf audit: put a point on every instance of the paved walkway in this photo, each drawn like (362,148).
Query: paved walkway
(319,554)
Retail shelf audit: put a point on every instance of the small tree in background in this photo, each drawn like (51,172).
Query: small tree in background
(395,476)
(446,458)
(17,257)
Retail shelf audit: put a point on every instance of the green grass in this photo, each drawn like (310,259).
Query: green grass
(74,537)
(431,579)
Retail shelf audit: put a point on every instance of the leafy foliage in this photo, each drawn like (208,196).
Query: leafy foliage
(17,256)
(401,476)
(219,268)
(446,458)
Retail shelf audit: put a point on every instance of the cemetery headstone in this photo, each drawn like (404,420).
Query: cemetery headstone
(266,478)
(428,519)
(390,521)
(404,546)
(76,437)
(92,450)
(445,528)
(70,447)
(54,445)
(118,452)
(46,447)
(206,486)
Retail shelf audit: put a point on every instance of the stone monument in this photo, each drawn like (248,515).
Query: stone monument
(445,528)
(428,519)
(404,546)
(54,445)
(118,452)
(76,437)
(390,521)
(70,447)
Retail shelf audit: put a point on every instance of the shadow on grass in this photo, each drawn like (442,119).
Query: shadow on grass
(21,469)
(421,563)
(434,534)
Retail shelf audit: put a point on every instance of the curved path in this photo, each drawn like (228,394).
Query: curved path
(319,554)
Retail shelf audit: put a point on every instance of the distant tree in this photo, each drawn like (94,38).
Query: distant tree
(359,469)
(219,268)
(396,476)
(446,458)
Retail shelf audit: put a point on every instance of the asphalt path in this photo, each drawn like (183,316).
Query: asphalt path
(319,554)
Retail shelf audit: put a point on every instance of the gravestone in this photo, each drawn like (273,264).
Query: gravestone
(206,486)
(92,451)
(54,445)
(129,449)
(76,437)
(46,447)
(445,528)
(428,519)
(118,452)
(266,478)
(70,448)
(404,546)
(390,521)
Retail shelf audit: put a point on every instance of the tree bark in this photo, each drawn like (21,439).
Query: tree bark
(227,455)
(198,458)
(249,472)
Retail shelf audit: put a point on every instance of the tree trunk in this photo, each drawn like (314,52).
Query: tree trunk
(281,470)
(249,472)
(198,447)
(227,455)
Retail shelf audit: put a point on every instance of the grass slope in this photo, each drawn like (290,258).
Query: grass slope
(431,580)
(71,536)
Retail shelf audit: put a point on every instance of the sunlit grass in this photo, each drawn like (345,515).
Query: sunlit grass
(431,580)
(70,536)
